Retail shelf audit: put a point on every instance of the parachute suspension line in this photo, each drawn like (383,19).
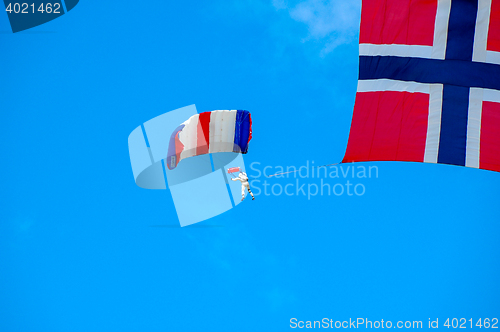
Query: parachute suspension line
(329,165)
(214,156)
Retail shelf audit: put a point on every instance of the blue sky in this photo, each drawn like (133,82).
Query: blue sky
(80,249)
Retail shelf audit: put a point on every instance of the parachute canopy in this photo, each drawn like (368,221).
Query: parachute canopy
(210,132)
(429,83)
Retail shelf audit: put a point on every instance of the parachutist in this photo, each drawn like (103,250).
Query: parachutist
(243,178)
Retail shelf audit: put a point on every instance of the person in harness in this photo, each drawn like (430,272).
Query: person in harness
(244,184)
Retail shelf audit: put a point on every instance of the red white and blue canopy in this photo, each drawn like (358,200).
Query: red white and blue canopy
(210,132)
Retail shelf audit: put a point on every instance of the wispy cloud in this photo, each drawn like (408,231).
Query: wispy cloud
(320,25)
(333,22)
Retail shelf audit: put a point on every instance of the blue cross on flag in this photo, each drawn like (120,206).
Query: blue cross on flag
(429,83)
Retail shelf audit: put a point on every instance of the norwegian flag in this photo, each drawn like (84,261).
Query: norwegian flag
(429,83)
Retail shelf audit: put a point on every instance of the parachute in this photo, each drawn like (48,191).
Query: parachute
(210,132)
(429,87)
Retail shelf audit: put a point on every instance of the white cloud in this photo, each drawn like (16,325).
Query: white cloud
(332,22)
